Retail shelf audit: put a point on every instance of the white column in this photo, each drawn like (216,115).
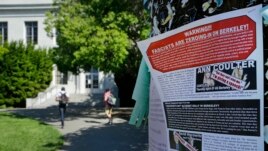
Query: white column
(54,75)
(82,79)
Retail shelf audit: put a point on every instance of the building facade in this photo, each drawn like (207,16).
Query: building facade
(23,20)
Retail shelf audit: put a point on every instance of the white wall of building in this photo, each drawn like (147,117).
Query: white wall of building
(16,30)
(17,12)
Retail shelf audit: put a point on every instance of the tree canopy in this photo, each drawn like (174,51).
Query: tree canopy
(97,33)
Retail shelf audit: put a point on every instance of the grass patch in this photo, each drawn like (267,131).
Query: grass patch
(18,133)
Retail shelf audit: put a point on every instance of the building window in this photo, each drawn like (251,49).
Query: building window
(92,79)
(31,32)
(3,32)
(62,78)
(95,81)
(88,81)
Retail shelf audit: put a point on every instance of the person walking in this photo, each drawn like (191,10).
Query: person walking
(63,99)
(108,106)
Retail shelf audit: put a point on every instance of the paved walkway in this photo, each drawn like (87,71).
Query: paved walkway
(86,127)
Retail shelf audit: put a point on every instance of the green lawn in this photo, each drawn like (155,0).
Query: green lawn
(19,133)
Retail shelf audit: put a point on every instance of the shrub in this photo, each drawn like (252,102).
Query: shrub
(24,71)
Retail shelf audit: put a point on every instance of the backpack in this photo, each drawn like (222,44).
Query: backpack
(63,98)
(112,100)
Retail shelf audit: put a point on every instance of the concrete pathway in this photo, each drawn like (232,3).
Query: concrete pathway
(86,127)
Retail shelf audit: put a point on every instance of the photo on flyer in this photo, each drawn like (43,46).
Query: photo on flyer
(184,141)
(227,76)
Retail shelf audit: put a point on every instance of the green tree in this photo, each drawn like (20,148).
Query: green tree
(101,34)
(24,71)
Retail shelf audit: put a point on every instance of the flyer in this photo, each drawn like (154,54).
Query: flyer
(209,75)
(157,130)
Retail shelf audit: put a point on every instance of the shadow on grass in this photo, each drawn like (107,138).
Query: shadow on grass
(18,116)
(5,114)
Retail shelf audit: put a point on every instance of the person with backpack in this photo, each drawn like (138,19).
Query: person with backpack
(63,99)
(108,106)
